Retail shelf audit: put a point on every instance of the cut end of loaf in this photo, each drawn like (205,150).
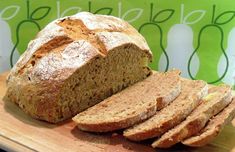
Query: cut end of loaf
(132,105)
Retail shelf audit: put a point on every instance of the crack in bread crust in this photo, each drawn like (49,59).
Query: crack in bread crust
(57,44)
(78,31)
(66,46)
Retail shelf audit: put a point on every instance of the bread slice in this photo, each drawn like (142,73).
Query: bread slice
(191,93)
(213,128)
(218,98)
(132,105)
(74,63)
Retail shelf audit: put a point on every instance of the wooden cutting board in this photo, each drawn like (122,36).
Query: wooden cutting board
(19,132)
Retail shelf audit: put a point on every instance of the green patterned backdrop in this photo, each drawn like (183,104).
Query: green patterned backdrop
(196,36)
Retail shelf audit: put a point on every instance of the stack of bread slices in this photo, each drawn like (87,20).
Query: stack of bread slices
(166,108)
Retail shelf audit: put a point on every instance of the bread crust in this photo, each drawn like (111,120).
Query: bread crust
(35,82)
(213,128)
(173,114)
(218,98)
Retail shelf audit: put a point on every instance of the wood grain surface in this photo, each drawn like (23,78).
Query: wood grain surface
(19,132)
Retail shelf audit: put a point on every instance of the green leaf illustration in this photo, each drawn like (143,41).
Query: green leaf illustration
(132,14)
(224,17)
(194,16)
(105,11)
(163,15)
(71,11)
(9,12)
(40,12)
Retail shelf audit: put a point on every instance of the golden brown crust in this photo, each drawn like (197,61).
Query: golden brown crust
(56,53)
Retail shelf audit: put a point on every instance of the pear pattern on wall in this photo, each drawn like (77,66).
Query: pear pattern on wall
(229,78)
(31,22)
(154,34)
(180,43)
(212,35)
(192,39)
(6,43)
(179,48)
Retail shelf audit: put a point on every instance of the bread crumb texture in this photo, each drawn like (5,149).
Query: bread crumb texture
(76,62)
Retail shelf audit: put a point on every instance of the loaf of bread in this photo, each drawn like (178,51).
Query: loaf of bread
(217,99)
(191,93)
(132,105)
(76,62)
(213,128)
(100,61)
